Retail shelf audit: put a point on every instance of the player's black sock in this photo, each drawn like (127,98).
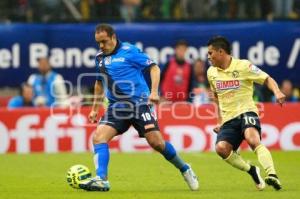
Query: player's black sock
(253,174)
(273,175)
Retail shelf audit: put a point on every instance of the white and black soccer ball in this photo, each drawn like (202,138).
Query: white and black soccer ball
(76,174)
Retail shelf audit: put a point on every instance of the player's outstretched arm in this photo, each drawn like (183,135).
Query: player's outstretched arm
(273,86)
(155,78)
(98,98)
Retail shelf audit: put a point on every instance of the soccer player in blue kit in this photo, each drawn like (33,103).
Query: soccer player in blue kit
(119,67)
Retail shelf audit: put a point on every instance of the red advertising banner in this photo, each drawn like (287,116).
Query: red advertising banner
(188,128)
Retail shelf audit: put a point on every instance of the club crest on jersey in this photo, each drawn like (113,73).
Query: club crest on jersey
(229,84)
(235,74)
(107,60)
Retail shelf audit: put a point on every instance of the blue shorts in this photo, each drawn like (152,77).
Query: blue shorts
(141,117)
(232,131)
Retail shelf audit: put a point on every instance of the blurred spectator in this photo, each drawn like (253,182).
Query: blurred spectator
(47,10)
(150,9)
(198,9)
(295,14)
(232,9)
(227,9)
(177,9)
(24,99)
(176,80)
(49,88)
(13,10)
(266,8)
(282,8)
(106,9)
(166,9)
(129,9)
(200,84)
(222,8)
(287,89)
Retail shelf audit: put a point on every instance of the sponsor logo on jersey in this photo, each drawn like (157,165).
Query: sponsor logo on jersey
(118,59)
(229,84)
(254,69)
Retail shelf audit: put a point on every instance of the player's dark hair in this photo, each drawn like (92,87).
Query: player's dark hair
(106,28)
(220,42)
(181,42)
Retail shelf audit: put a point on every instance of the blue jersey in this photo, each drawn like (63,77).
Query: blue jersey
(121,73)
(43,86)
(18,102)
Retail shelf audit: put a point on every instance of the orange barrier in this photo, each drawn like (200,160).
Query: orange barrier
(188,128)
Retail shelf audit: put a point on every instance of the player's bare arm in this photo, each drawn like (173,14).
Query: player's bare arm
(98,97)
(155,78)
(273,86)
(219,119)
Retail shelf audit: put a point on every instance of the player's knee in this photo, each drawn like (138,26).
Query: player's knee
(253,142)
(222,150)
(98,137)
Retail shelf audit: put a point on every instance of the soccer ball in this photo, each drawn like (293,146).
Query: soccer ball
(76,174)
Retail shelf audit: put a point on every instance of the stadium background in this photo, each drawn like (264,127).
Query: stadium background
(270,41)
(266,32)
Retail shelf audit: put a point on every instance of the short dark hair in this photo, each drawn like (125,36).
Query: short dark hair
(220,42)
(181,42)
(106,28)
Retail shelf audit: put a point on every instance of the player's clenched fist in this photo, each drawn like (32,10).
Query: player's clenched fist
(280,97)
(93,116)
(153,98)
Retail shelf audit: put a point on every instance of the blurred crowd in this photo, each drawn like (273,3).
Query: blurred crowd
(145,10)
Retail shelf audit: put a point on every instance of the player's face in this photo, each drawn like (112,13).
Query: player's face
(214,56)
(106,43)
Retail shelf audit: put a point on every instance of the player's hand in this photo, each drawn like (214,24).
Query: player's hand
(153,98)
(280,97)
(93,116)
(217,129)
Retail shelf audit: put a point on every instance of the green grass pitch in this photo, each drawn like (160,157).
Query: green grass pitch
(142,175)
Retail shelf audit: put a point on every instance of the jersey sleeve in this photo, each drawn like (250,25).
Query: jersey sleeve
(139,59)
(256,74)
(98,72)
